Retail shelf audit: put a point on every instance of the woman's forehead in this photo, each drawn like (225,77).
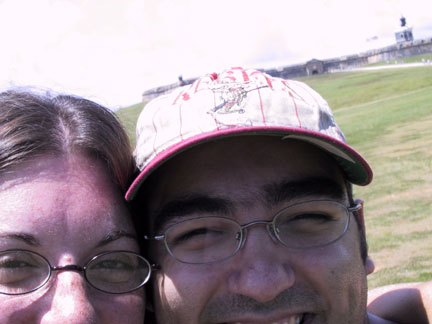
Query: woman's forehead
(62,196)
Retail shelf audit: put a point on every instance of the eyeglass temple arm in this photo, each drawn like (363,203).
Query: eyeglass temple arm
(355,208)
(156,238)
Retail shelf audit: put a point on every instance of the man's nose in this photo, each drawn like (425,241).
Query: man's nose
(70,300)
(261,269)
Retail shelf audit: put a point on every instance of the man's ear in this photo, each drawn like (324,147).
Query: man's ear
(369,265)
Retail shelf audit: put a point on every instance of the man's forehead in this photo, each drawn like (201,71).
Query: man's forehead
(273,196)
(243,170)
(239,155)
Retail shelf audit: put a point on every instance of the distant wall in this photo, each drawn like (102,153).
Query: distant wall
(156,92)
(396,51)
(401,50)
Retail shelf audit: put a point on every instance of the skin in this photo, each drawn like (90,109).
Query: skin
(264,282)
(405,303)
(69,207)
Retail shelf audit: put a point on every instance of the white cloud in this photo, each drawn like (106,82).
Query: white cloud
(112,50)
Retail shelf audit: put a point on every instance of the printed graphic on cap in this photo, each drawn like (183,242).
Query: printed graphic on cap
(230,95)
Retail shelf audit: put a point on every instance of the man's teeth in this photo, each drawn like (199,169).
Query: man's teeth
(292,320)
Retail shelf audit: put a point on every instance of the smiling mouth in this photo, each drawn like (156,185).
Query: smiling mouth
(292,320)
(297,319)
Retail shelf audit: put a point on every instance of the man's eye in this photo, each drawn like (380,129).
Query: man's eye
(193,234)
(198,238)
(311,217)
(305,223)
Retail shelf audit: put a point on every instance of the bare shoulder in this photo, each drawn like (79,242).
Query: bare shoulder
(373,319)
(402,303)
(422,288)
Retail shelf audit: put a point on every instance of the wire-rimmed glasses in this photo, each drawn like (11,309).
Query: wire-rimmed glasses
(114,272)
(211,239)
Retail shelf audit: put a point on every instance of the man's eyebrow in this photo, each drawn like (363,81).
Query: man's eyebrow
(285,191)
(20,236)
(115,235)
(190,204)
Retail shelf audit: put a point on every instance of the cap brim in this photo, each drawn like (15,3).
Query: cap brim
(355,167)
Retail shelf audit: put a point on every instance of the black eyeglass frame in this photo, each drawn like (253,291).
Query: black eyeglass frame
(270,225)
(77,268)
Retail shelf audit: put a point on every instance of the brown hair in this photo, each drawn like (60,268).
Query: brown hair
(34,124)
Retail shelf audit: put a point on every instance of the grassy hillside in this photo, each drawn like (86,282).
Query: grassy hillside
(387,116)
(128,117)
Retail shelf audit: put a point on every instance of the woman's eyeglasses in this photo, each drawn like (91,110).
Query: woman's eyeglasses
(115,272)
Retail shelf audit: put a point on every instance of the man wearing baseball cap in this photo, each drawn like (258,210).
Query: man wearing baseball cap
(246,187)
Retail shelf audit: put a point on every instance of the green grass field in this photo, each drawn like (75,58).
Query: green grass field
(387,116)
(128,117)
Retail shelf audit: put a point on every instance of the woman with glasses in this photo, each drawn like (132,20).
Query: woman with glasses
(68,247)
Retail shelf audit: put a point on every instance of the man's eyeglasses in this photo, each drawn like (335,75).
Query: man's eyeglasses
(116,272)
(209,239)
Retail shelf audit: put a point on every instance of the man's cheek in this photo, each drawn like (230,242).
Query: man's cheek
(330,268)
(341,278)
(166,291)
(180,295)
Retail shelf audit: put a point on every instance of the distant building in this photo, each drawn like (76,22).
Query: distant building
(315,67)
(404,48)
(405,33)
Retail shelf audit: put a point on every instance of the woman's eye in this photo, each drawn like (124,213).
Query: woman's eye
(15,264)
(112,265)
(112,271)
(17,271)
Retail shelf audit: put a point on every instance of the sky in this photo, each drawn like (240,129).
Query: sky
(111,51)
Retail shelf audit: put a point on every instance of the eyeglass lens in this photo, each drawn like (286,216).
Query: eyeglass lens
(213,239)
(22,271)
(203,240)
(112,272)
(117,272)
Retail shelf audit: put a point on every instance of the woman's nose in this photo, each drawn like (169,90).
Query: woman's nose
(70,301)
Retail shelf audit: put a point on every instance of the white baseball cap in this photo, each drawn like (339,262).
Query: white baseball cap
(239,102)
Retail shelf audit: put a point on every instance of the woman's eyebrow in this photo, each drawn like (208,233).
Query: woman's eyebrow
(21,236)
(115,235)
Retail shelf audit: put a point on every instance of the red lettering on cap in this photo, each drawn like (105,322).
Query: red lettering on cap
(213,76)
